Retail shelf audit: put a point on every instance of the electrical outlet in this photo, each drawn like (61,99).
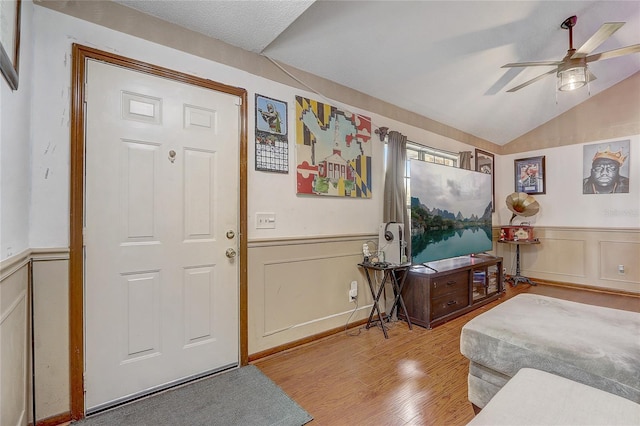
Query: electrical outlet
(353,291)
(621,269)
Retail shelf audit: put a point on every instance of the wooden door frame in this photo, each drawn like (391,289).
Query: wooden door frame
(80,55)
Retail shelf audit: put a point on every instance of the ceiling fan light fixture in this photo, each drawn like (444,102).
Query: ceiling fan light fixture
(572,72)
(572,78)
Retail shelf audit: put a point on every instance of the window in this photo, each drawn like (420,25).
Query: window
(432,155)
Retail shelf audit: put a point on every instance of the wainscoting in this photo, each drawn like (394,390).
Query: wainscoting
(49,268)
(51,330)
(582,256)
(298,287)
(297,290)
(14,340)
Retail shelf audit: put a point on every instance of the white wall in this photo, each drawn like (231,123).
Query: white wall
(564,204)
(267,192)
(15,148)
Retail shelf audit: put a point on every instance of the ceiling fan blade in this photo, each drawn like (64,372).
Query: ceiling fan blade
(533,80)
(532,64)
(634,48)
(604,32)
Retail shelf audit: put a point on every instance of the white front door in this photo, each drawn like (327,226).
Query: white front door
(161,219)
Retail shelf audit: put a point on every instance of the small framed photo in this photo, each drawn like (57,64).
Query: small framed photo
(484,164)
(10,41)
(530,175)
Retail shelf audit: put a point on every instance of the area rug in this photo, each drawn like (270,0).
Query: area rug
(243,396)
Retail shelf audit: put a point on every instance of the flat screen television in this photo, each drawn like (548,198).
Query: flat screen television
(450,212)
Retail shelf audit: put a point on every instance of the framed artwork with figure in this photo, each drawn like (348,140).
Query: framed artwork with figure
(484,164)
(530,175)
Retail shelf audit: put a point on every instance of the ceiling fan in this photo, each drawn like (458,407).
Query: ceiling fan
(572,70)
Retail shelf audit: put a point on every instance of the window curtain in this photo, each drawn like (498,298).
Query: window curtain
(395,196)
(465,160)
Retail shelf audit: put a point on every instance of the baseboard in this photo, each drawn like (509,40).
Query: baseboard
(585,287)
(304,341)
(54,420)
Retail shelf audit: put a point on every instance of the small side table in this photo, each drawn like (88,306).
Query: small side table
(397,275)
(517,278)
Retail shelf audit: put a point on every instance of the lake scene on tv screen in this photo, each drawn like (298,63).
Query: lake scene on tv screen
(450,212)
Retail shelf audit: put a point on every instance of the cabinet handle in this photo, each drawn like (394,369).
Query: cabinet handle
(451,302)
(451,282)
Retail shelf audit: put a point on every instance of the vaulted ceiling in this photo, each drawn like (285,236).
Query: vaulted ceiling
(439,59)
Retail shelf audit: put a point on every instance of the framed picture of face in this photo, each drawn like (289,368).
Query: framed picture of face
(530,175)
(484,164)
(606,168)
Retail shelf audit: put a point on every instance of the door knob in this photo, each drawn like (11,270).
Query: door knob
(230,253)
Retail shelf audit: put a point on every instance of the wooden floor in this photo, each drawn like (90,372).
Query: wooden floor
(416,377)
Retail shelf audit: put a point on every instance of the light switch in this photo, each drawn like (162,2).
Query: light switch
(265,220)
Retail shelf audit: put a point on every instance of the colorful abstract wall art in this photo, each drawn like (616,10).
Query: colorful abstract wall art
(333,151)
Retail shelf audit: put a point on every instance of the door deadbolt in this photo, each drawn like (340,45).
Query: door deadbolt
(230,234)
(230,253)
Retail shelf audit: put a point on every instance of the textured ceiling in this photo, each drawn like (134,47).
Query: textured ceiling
(440,59)
(251,25)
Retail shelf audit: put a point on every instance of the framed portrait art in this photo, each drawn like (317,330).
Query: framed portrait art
(484,164)
(530,175)
(10,41)
(606,168)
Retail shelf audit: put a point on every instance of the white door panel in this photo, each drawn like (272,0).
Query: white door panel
(161,192)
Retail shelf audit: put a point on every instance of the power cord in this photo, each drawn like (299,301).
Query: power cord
(346,326)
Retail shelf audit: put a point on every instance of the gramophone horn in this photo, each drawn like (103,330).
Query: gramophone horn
(522,204)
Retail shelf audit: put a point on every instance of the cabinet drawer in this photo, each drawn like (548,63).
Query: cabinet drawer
(449,284)
(449,303)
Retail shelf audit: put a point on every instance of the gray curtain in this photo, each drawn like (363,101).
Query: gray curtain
(395,197)
(465,160)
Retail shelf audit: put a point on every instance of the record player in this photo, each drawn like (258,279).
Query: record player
(520,204)
(516,233)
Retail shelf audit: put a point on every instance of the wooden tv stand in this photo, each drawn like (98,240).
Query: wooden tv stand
(437,292)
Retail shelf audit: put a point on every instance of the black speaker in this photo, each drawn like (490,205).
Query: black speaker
(388,235)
